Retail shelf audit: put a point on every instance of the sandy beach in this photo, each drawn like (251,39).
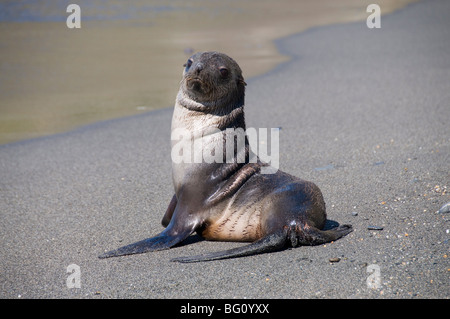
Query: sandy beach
(363,113)
(126,60)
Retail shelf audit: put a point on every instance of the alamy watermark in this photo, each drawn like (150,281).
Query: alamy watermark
(374,19)
(74,278)
(373,281)
(74,19)
(211,145)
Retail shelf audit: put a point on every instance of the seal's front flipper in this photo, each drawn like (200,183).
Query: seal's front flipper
(266,244)
(169,212)
(164,240)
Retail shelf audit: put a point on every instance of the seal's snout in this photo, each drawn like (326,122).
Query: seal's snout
(194,83)
(198,68)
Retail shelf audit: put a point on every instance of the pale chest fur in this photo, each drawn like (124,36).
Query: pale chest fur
(195,143)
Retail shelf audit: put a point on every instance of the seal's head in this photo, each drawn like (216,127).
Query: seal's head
(213,80)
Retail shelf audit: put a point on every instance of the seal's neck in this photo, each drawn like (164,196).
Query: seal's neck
(207,129)
(197,116)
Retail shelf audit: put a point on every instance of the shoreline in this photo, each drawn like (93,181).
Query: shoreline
(70,81)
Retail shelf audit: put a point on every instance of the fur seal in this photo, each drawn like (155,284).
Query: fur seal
(231,200)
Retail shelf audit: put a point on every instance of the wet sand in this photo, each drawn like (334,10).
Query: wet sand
(127,60)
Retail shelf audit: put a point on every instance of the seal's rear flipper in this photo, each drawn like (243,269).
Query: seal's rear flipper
(266,244)
(314,236)
(160,242)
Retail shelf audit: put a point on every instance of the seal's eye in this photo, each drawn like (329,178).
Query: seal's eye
(223,72)
(188,64)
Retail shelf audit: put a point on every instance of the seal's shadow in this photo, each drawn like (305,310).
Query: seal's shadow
(192,239)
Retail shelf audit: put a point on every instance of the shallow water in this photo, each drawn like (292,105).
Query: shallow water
(127,59)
